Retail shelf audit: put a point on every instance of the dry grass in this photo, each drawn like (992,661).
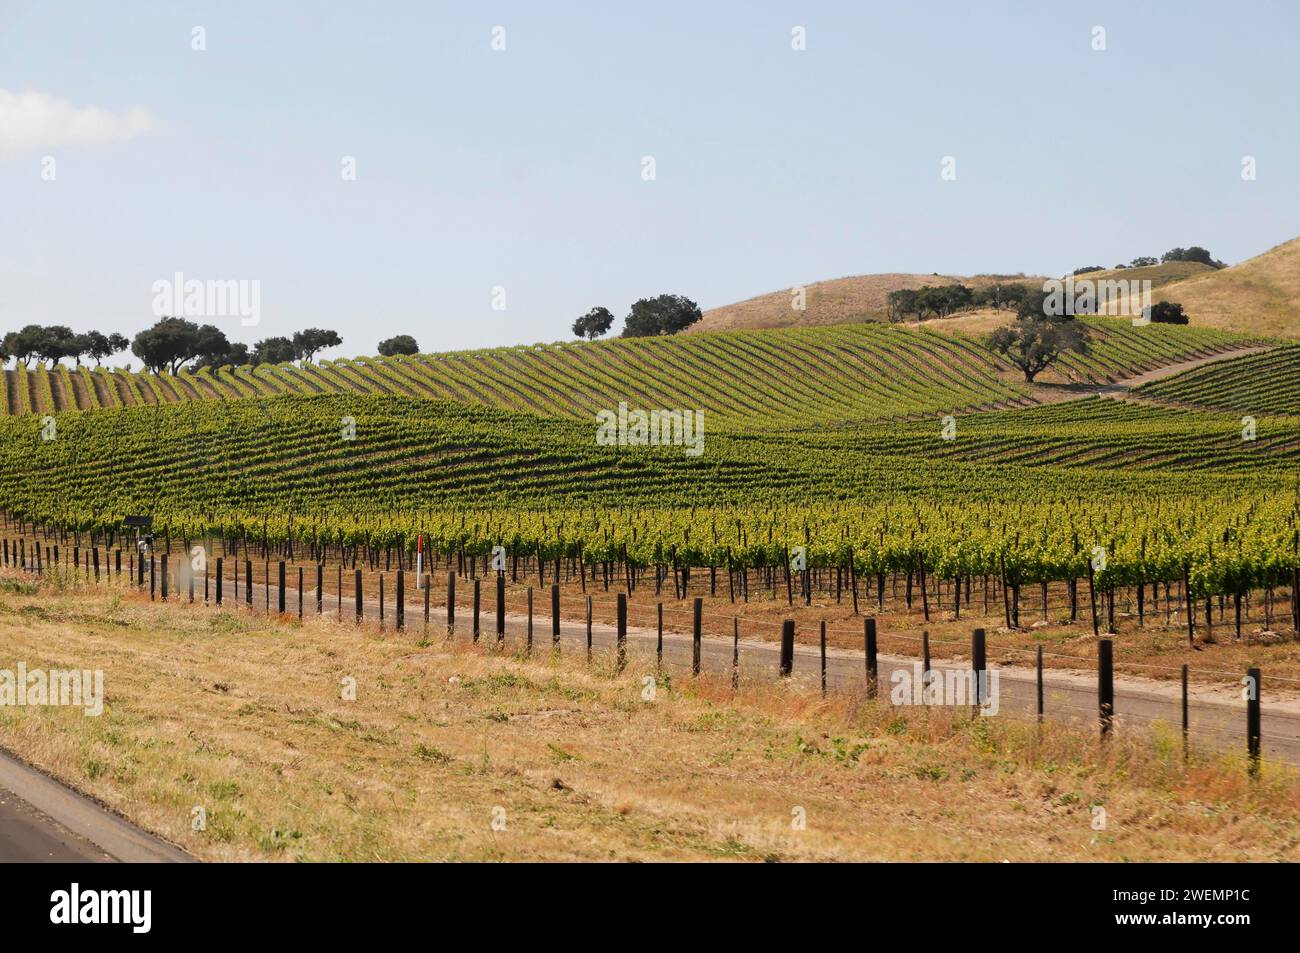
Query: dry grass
(975,324)
(1258,296)
(838,301)
(1159,275)
(242,715)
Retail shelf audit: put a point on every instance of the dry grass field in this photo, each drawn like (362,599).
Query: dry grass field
(453,752)
(1258,296)
(838,301)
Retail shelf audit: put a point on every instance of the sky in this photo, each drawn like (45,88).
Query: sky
(500,151)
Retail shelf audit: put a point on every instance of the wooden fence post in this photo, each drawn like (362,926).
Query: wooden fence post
(925,662)
(1106,684)
(555,615)
(697,634)
(451,603)
(320,588)
(659,643)
(280,580)
(978,665)
(248,582)
(735,653)
(1039,668)
(220,579)
(787,648)
(1253,720)
(357,594)
(622,630)
(1186,726)
(873,670)
(401,599)
(478,595)
(823,658)
(501,609)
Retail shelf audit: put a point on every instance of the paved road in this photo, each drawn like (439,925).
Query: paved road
(41,820)
(29,836)
(1215,722)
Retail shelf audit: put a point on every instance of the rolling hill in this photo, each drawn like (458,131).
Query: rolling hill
(746,379)
(838,301)
(1258,296)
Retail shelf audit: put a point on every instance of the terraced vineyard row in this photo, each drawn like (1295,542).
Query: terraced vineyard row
(746,379)
(1118,349)
(881,497)
(1267,383)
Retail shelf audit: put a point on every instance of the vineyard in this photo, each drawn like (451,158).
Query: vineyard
(844,372)
(1267,383)
(1139,494)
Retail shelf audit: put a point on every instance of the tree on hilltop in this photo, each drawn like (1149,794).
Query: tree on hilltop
(307,342)
(665,314)
(594,323)
(401,344)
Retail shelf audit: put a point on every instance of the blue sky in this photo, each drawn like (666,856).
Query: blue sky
(522,168)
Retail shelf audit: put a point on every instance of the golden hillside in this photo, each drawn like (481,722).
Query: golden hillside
(1165,273)
(1258,296)
(838,301)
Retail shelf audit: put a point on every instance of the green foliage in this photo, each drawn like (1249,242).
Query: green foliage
(594,323)
(401,344)
(1257,384)
(1167,312)
(665,314)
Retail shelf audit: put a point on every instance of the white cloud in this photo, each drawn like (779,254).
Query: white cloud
(37,122)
